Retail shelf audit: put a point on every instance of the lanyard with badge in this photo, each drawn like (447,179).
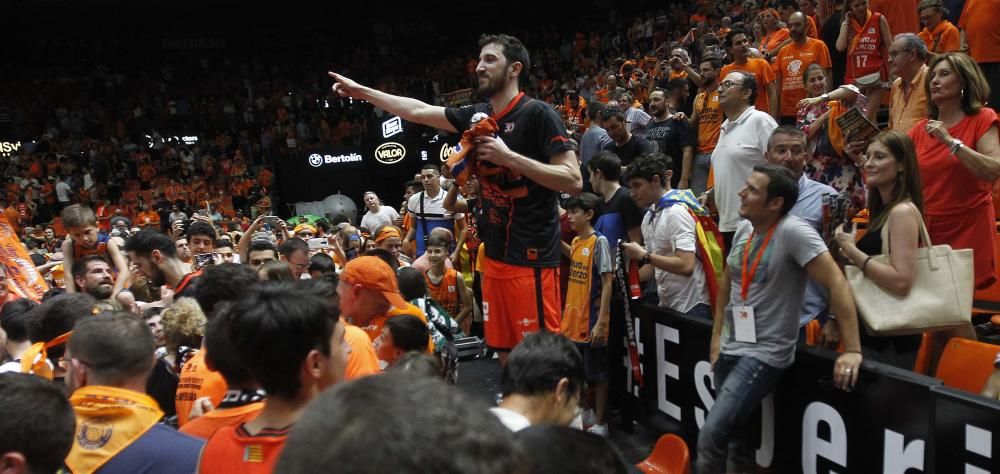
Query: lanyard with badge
(744,324)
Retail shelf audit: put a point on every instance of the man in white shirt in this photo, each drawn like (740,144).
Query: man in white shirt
(669,233)
(427,209)
(541,383)
(377,215)
(742,144)
(63,192)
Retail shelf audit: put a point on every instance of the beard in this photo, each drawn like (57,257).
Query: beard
(101,291)
(491,87)
(157,278)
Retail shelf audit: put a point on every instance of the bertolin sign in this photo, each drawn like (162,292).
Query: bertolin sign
(317,160)
(390,153)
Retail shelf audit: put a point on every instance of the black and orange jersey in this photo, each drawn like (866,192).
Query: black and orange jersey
(521,231)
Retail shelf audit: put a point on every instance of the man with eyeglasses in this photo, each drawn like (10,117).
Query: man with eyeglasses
(742,143)
(296,253)
(428,212)
(908,99)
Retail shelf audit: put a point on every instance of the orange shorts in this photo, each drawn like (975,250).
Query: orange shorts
(518,301)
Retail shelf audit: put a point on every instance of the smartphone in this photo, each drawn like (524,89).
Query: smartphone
(318,243)
(203,260)
(272,220)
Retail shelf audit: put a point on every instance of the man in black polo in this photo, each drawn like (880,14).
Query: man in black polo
(521,234)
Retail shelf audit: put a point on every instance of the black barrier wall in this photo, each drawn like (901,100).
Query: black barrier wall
(894,421)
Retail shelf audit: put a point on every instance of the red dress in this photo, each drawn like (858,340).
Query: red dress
(958,205)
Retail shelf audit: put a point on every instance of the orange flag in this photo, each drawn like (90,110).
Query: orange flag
(25,281)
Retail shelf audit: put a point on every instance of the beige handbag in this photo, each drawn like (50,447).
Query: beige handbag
(940,298)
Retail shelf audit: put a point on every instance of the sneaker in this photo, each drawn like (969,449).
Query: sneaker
(600,430)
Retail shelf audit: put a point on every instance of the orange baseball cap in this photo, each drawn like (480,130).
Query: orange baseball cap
(374,274)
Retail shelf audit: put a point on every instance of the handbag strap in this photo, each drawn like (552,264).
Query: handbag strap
(924,236)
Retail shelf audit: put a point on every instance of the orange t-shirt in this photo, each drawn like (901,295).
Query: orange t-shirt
(206,425)
(362,361)
(706,104)
(901,15)
(979,20)
(445,292)
(943,39)
(154,218)
(790,64)
(146,173)
(233,450)
(196,381)
(770,42)
(374,328)
(761,69)
(811,30)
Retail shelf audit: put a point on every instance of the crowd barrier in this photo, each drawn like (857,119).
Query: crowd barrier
(895,421)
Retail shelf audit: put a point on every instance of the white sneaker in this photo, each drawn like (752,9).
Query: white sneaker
(600,430)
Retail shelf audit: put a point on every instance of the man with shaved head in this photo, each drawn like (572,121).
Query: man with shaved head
(791,63)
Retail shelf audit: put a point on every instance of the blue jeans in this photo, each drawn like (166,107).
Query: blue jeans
(728,435)
(699,173)
(700,310)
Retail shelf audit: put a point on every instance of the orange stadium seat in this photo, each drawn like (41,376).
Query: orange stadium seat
(923,362)
(669,456)
(966,364)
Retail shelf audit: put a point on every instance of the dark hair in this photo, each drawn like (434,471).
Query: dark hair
(781,183)
(221,356)
(417,186)
(384,255)
(14,319)
(539,362)
(412,284)
(277,270)
(409,333)
(608,163)
(550,448)
(289,246)
(585,202)
(676,84)
(613,112)
(274,327)
(732,34)
(258,245)
(649,165)
(144,242)
(221,283)
(418,364)
(322,263)
(715,62)
(117,347)
(36,420)
(594,110)
(79,268)
(406,422)
(431,166)
(908,184)
(219,243)
(201,228)
(438,241)
(513,50)
(57,316)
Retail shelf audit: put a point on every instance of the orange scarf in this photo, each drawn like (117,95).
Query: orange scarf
(108,419)
(35,360)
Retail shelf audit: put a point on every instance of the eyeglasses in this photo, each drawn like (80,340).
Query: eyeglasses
(728,84)
(306,234)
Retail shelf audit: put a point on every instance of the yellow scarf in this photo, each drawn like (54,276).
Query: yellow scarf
(107,420)
(576,316)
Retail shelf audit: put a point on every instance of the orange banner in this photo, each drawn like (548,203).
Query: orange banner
(23,277)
